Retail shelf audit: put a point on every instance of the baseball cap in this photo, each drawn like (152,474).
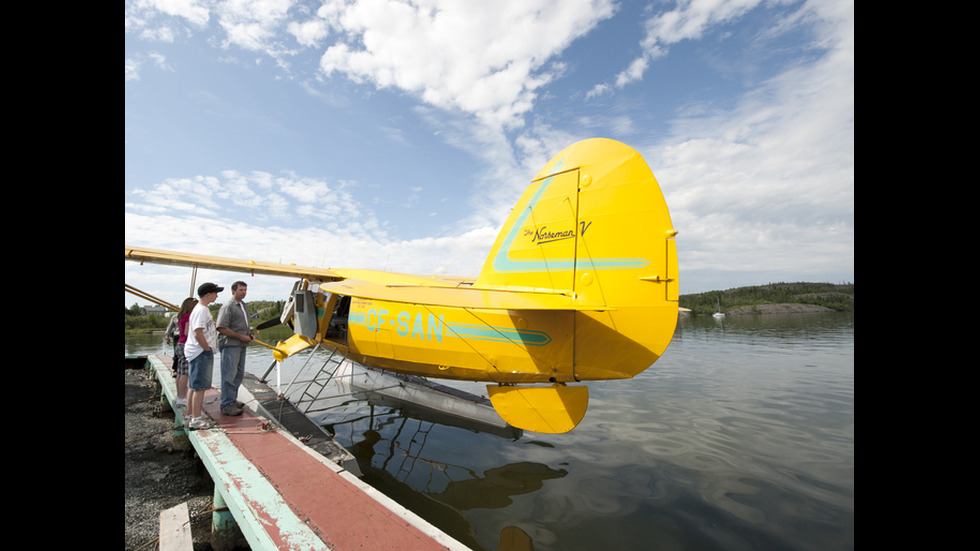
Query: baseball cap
(209,287)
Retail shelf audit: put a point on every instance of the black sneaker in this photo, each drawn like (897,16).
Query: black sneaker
(231,410)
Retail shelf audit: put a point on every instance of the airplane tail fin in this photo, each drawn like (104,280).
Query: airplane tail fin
(592,225)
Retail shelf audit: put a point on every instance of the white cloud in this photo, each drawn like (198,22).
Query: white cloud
(252,24)
(158,34)
(691,17)
(688,20)
(487,59)
(632,73)
(132,69)
(309,33)
(260,198)
(139,12)
(133,64)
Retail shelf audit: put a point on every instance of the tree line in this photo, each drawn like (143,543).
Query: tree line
(263,310)
(838,297)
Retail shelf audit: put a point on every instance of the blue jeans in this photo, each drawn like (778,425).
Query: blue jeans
(199,371)
(232,373)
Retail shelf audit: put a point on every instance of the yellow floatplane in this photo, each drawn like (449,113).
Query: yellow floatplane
(580,285)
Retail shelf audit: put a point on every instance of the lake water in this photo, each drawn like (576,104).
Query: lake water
(741,437)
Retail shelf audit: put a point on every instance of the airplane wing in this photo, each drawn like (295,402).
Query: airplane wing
(253,267)
(378,285)
(433,294)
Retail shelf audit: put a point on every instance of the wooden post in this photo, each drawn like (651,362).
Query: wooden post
(225,532)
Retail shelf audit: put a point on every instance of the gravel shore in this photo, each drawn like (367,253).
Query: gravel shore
(158,476)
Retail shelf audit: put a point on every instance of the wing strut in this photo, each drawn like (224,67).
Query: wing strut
(144,295)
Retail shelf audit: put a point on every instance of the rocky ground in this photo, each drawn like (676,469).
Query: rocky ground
(158,476)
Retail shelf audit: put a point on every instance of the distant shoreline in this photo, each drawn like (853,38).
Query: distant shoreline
(773,298)
(762,309)
(784,308)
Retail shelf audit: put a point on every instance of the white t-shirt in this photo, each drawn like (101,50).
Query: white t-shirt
(200,319)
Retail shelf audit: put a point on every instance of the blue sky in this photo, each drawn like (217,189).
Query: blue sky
(397,135)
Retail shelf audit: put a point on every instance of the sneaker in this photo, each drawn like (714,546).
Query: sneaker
(199,424)
(180,402)
(231,409)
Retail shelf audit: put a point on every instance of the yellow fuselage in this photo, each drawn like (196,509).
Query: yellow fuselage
(500,346)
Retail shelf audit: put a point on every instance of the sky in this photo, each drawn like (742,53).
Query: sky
(398,134)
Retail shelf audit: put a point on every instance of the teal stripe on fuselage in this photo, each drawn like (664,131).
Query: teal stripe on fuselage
(498,334)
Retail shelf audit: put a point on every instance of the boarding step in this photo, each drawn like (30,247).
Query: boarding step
(175,529)
(320,381)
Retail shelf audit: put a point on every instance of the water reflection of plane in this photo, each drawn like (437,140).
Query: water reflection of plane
(493,490)
(414,407)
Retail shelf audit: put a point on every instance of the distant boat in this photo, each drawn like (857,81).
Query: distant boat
(718,313)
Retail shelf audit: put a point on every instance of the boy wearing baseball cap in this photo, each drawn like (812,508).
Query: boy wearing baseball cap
(199,352)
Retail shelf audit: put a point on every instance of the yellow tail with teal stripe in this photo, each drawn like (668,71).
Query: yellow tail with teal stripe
(592,226)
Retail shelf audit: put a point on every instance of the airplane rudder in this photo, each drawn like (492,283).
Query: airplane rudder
(625,227)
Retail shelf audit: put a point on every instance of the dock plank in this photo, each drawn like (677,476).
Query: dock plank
(175,529)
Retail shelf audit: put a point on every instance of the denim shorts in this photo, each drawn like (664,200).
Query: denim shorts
(199,374)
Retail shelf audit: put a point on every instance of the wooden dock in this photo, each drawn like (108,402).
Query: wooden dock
(283,493)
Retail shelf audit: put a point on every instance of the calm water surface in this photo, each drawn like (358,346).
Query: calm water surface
(741,437)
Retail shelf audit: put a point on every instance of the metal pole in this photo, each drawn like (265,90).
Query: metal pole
(267,371)
(193,281)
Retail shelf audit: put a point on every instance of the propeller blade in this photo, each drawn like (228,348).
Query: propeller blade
(267,324)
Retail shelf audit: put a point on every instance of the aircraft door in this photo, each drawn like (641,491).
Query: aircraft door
(304,316)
